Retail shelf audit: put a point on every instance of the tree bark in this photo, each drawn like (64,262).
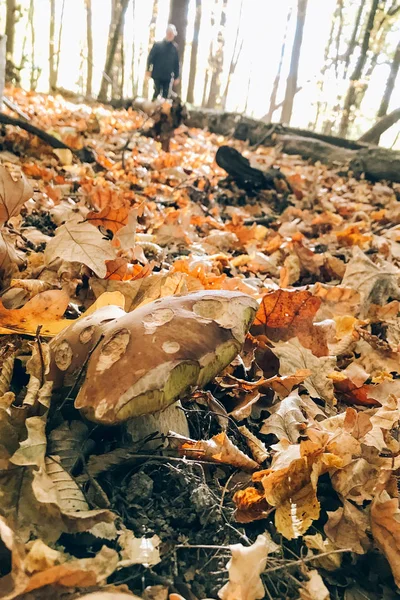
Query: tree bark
(178,16)
(218,59)
(59,40)
(152,36)
(356,75)
(372,136)
(193,54)
(52,55)
(353,39)
(105,82)
(394,70)
(10,33)
(275,87)
(89,41)
(291,84)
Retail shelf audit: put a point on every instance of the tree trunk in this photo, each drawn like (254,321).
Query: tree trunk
(291,84)
(353,39)
(89,41)
(218,60)
(372,136)
(10,33)
(394,69)
(234,60)
(34,73)
(152,37)
(123,5)
(59,40)
(275,87)
(193,54)
(178,16)
(356,75)
(52,54)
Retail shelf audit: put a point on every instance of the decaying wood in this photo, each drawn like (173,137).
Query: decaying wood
(85,154)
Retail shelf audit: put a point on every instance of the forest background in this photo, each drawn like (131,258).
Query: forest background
(327,65)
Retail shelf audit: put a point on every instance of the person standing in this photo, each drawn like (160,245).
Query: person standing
(163,63)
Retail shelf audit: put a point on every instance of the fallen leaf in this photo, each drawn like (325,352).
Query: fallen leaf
(346,528)
(251,505)
(329,563)
(109,218)
(245,568)
(77,241)
(13,194)
(218,449)
(374,282)
(293,356)
(314,588)
(126,235)
(287,421)
(385,527)
(139,551)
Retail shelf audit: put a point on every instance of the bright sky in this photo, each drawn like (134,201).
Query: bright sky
(262,26)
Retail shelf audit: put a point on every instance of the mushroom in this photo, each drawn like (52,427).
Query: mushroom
(153,356)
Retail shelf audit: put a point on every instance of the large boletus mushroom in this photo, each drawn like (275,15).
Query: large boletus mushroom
(153,356)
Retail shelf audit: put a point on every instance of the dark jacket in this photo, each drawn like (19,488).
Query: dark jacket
(165,60)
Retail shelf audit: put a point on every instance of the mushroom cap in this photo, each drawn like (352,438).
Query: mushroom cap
(155,354)
(70,348)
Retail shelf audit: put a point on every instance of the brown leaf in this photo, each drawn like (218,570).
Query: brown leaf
(385,527)
(109,218)
(287,421)
(314,588)
(218,449)
(285,314)
(13,194)
(346,528)
(251,505)
(80,242)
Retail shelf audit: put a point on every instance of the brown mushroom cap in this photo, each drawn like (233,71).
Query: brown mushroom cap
(70,348)
(155,354)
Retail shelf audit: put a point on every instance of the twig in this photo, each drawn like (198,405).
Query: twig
(302,561)
(40,350)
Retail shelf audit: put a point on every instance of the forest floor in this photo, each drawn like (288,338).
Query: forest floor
(291,488)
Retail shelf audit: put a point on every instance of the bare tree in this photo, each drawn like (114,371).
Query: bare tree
(152,36)
(291,83)
(272,102)
(193,54)
(89,41)
(52,54)
(353,40)
(11,18)
(217,60)
(115,34)
(394,70)
(358,69)
(237,50)
(178,15)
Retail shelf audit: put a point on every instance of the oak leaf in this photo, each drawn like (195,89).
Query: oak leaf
(374,282)
(385,527)
(13,194)
(346,528)
(77,241)
(293,356)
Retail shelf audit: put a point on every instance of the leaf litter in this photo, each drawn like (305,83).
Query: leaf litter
(286,485)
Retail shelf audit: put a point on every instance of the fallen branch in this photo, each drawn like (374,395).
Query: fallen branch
(84,154)
(373,134)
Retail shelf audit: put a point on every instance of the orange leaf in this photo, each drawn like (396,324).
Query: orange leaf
(109,218)
(251,505)
(218,449)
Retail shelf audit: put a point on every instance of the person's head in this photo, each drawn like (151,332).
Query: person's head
(171,33)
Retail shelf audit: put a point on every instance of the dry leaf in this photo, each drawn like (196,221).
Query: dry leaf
(293,356)
(385,527)
(251,505)
(218,449)
(245,568)
(329,563)
(374,282)
(256,446)
(139,551)
(77,241)
(13,194)
(32,450)
(287,421)
(346,528)
(314,588)
(126,235)
(109,218)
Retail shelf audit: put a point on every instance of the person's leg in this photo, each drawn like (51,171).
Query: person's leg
(157,86)
(165,89)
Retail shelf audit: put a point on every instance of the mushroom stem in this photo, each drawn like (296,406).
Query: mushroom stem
(171,418)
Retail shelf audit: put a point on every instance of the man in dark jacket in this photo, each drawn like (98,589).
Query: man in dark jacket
(164,59)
